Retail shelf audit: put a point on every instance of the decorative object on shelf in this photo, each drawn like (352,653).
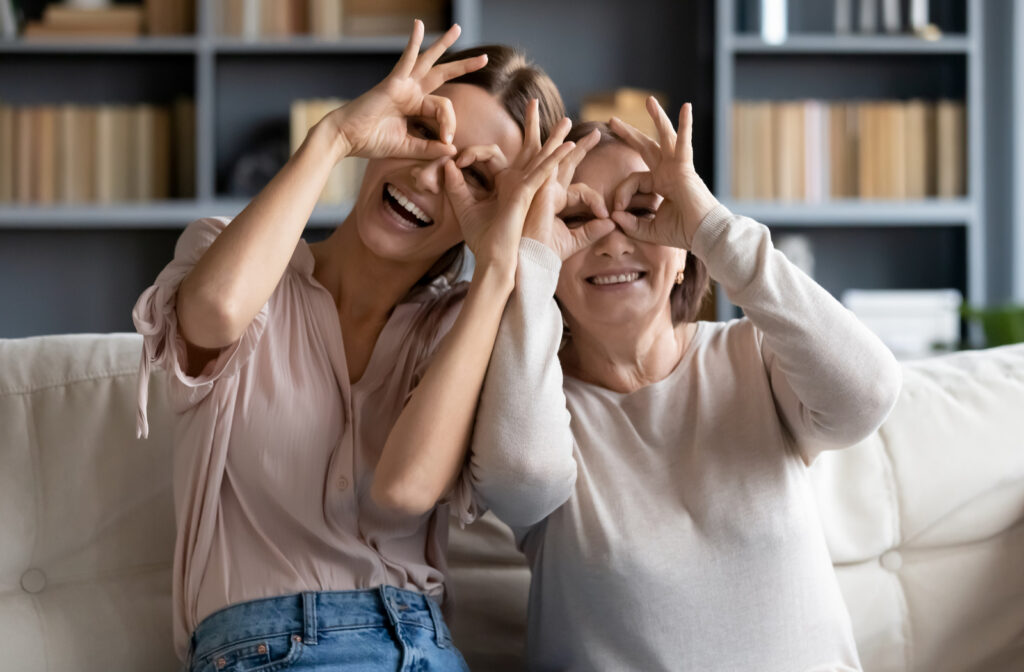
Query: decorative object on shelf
(798,249)
(774,21)
(868,17)
(264,155)
(813,151)
(70,21)
(843,16)
(1002,325)
(627,104)
(912,323)
(8,20)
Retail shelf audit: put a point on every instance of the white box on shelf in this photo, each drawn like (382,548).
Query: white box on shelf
(913,323)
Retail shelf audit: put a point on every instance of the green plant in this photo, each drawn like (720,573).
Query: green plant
(1002,325)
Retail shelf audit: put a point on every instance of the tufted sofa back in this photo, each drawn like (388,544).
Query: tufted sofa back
(924,519)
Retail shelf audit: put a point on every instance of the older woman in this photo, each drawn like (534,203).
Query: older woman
(669,523)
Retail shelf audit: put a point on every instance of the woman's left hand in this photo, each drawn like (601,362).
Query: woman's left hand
(493,225)
(687,200)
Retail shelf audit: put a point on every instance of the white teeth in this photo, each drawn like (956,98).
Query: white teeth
(408,205)
(615,279)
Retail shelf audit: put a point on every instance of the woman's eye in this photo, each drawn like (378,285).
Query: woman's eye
(422,130)
(476,178)
(642,213)
(576,220)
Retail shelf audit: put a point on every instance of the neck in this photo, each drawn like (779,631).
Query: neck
(621,358)
(365,286)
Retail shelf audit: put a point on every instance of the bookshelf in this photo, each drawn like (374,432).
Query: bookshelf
(921,243)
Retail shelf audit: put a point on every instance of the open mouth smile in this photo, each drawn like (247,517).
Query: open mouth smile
(403,206)
(616,278)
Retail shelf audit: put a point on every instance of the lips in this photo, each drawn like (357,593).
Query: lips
(403,206)
(619,278)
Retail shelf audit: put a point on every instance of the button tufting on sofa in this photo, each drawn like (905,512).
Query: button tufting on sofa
(33,581)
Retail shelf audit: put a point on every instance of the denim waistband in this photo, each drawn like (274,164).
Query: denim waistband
(306,614)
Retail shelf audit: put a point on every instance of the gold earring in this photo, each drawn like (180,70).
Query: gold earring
(680,274)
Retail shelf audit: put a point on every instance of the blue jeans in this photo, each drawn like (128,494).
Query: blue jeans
(359,630)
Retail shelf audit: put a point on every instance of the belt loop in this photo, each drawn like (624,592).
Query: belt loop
(444,638)
(389,607)
(309,618)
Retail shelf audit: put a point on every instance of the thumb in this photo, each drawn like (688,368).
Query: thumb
(591,232)
(456,189)
(420,148)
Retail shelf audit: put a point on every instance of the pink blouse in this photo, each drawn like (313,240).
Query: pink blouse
(275,450)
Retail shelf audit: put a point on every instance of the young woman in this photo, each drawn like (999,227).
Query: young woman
(312,479)
(682,534)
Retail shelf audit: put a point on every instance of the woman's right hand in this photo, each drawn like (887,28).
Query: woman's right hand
(375,125)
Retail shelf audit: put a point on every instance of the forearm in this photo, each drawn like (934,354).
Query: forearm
(426,448)
(833,379)
(236,276)
(522,462)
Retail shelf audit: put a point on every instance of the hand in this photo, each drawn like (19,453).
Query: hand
(493,225)
(543,222)
(375,124)
(687,200)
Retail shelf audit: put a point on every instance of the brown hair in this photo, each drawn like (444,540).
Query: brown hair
(686,298)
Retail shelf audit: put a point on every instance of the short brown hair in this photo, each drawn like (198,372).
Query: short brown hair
(686,298)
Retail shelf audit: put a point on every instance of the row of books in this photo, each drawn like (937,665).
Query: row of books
(813,150)
(155,17)
(53,154)
(254,19)
(346,177)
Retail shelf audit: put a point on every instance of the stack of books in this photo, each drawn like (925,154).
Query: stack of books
(813,151)
(170,17)
(63,21)
(346,177)
(629,105)
(52,154)
(255,19)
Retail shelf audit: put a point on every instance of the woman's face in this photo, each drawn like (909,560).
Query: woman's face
(401,211)
(617,280)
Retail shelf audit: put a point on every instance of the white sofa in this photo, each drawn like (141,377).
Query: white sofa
(925,521)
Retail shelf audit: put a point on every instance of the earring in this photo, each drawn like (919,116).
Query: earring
(680,274)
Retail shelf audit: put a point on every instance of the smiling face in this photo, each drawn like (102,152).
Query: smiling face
(401,212)
(617,280)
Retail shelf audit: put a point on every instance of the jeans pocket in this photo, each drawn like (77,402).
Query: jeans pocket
(257,655)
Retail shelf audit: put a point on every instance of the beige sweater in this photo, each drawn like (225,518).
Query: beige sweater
(673,528)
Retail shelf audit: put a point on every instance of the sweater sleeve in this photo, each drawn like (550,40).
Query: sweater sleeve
(833,380)
(521,462)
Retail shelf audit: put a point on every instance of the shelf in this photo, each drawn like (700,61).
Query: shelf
(828,43)
(932,212)
(185,44)
(157,215)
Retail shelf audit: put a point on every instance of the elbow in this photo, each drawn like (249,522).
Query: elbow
(528,496)
(401,499)
(209,320)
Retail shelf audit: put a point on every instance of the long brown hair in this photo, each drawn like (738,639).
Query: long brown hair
(686,298)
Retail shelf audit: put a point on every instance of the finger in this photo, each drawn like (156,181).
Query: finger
(489,154)
(645,146)
(531,132)
(419,148)
(630,224)
(439,74)
(684,147)
(537,175)
(455,188)
(426,60)
(583,193)
(407,61)
(591,232)
(666,134)
(567,168)
(554,143)
(642,182)
(440,109)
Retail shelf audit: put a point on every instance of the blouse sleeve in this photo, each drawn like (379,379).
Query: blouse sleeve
(832,380)
(155,318)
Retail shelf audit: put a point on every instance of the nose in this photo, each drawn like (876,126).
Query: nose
(614,244)
(427,175)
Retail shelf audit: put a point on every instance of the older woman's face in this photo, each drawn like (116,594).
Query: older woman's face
(617,280)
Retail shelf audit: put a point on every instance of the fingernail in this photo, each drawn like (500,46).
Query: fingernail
(448,138)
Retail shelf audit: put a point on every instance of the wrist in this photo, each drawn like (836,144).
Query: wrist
(332,132)
(496,276)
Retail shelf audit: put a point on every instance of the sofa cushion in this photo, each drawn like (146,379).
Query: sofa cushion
(87,525)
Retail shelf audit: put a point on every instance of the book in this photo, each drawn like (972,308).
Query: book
(105,155)
(951,149)
(84,155)
(868,16)
(891,16)
(6,153)
(916,144)
(170,17)
(843,17)
(765,141)
(24,156)
(44,177)
(183,133)
(392,17)
(115,17)
(325,18)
